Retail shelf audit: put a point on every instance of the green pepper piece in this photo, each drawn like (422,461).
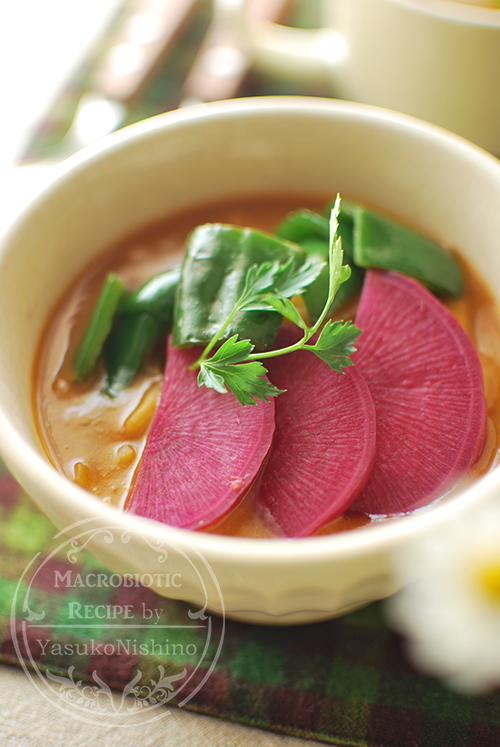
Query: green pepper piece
(213,277)
(346,231)
(348,210)
(316,294)
(127,347)
(303,224)
(311,231)
(98,328)
(156,296)
(381,243)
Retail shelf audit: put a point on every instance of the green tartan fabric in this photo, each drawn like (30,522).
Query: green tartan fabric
(345,681)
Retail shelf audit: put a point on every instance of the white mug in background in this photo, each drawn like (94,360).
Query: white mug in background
(438,60)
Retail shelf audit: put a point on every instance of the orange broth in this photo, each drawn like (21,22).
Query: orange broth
(97,441)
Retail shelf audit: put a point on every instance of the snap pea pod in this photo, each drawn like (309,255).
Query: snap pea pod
(98,329)
(303,224)
(127,347)
(379,242)
(213,277)
(146,316)
(156,296)
(311,231)
(371,240)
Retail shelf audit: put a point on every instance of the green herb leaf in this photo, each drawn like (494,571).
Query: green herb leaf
(268,287)
(260,278)
(336,343)
(232,351)
(293,280)
(245,380)
(286,308)
(339,273)
(225,368)
(290,280)
(212,380)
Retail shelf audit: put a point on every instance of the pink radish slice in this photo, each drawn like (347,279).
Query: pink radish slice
(426,381)
(324,444)
(203,452)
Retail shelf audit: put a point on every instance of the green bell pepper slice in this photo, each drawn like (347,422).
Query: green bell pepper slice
(213,276)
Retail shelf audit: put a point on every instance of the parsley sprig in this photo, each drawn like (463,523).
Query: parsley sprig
(268,287)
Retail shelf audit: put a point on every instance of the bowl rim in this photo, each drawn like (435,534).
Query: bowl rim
(27,463)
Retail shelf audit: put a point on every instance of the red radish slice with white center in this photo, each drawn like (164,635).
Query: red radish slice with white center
(427,385)
(324,444)
(203,452)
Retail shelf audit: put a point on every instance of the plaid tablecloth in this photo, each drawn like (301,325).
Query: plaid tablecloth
(346,681)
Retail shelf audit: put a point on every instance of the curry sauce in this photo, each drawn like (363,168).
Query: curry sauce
(97,441)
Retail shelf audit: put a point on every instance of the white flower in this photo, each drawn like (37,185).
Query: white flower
(450,606)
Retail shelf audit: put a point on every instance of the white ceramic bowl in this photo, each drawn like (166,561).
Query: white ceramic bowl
(248,147)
